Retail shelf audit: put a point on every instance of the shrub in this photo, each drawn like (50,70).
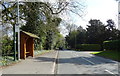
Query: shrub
(78,47)
(89,47)
(111,45)
(7,45)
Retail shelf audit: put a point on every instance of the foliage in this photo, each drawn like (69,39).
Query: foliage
(7,45)
(71,39)
(110,24)
(95,33)
(111,45)
(42,24)
(75,37)
(39,18)
(81,36)
(59,41)
(89,47)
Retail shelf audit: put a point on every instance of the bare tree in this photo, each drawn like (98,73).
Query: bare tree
(62,6)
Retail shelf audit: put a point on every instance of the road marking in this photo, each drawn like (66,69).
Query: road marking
(88,61)
(91,55)
(54,64)
(109,72)
(76,55)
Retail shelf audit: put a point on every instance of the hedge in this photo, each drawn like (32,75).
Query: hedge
(88,47)
(111,45)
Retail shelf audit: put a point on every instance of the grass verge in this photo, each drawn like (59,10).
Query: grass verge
(7,61)
(114,55)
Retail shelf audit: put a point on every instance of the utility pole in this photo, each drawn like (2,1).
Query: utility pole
(75,41)
(75,36)
(18,31)
(16,35)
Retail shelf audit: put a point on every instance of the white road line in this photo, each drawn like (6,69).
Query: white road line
(91,55)
(88,61)
(109,71)
(76,55)
(54,64)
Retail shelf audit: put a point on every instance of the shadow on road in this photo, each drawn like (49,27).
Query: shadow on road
(77,60)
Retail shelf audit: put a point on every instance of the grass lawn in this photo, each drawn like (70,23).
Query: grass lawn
(114,55)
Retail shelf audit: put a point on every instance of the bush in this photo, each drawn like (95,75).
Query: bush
(7,45)
(111,45)
(89,47)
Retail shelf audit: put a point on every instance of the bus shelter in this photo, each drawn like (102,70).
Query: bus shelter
(27,44)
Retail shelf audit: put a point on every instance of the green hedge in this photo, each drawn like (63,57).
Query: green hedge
(111,45)
(88,47)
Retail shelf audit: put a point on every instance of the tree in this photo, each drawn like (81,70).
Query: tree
(71,27)
(96,32)
(41,24)
(59,41)
(75,37)
(38,17)
(63,6)
(110,24)
(81,37)
(113,33)
(72,39)
(59,6)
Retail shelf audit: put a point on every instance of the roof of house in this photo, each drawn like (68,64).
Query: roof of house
(31,35)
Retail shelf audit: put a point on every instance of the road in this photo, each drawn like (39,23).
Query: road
(73,62)
(68,62)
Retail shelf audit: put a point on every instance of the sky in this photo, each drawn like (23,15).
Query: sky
(96,9)
(99,9)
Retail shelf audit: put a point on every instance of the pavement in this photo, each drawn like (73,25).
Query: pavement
(64,62)
(43,64)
